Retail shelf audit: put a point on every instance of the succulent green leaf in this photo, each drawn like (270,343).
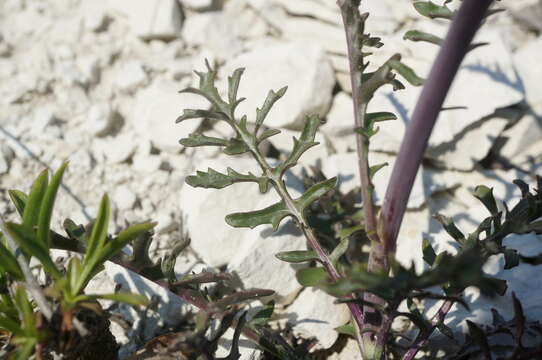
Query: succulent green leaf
(485,195)
(198,113)
(19,199)
(37,192)
(298,256)
(374,169)
(47,205)
(132,299)
(347,329)
(99,231)
(305,142)
(8,262)
(272,215)
(216,180)
(380,116)
(267,134)
(264,314)
(124,238)
(406,72)
(27,240)
(429,254)
(194,140)
(433,11)
(271,99)
(311,276)
(339,250)
(415,35)
(314,193)
(448,225)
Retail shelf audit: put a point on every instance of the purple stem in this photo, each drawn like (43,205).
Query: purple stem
(454,47)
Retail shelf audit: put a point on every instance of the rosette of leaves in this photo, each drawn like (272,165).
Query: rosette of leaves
(65,286)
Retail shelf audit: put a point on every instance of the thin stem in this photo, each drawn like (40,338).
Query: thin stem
(453,50)
(31,283)
(423,336)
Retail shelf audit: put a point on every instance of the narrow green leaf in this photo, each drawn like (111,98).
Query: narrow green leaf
(124,238)
(264,314)
(479,338)
(272,215)
(406,72)
(314,193)
(37,192)
(429,254)
(347,329)
(267,134)
(132,299)
(445,330)
(198,114)
(11,325)
(271,99)
(448,225)
(242,296)
(485,195)
(194,140)
(47,205)
(311,276)
(27,240)
(305,142)
(216,180)
(19,199)
(519,318)
(346,232)
(8,262)
(374,169)
(433,11)
(339,250)
(99,231)
(415,35)
(380,116)
(297,256)
(233,84)
(25,308)
(511,258)
(73,272)
(235,147)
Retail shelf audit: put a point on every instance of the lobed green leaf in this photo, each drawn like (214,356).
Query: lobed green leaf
(216,180)
(271,215)
(270,100)
(194,140)
(298,256)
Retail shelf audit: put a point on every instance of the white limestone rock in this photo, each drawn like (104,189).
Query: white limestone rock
(309,79)
(124,198)
(313,313)
(198,5)
(527,61)
(216,32)
(160,19)
(171,308)
(102,120)
(130,76)
(157,107)
(213,239)
(497,78)
(345,166)
(340,119)
(255,265)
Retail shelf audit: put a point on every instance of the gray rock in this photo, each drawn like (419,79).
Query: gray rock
(309,79)
(102,120)
(314,313)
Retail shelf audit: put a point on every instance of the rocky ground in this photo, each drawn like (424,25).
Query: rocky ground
(95,83)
